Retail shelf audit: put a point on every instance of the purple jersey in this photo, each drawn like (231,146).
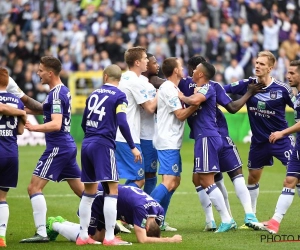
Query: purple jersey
(204,119)
(134,206)
(266,111)
(58,101)
(297,119)
(100,115)
(9,127)
(187,86)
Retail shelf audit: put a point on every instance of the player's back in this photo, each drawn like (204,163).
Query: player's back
(169,132)
(204,119)
(9,127)
(100,114)
(58,101)
(134,205)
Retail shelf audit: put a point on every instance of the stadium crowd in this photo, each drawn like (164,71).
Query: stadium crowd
(91,34)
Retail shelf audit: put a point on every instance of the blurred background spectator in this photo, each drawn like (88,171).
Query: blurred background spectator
(89,35)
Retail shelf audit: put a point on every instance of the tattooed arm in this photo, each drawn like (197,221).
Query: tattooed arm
(32,106)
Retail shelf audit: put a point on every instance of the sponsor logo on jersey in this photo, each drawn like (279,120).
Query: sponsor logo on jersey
(143,224)
(173,101)
(261,105)
(235,83)
(57,102)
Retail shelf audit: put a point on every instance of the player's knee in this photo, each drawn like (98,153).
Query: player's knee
(290,182)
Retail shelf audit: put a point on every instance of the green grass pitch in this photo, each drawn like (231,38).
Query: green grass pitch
(185,212)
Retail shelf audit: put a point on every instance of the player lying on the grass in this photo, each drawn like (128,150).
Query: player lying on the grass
(293,169)
(134,206)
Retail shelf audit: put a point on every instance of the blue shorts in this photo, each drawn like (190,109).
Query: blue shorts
(229,158)
(9,169)
(98,163)
(58,164)
(261,154)
(150,156)
(293,168)
(169,162)
(127,168)
(206,151)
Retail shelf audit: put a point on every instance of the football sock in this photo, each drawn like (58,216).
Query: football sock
(217,200)
(284,202)
(150,184)
(206,204)
(85,208)
(159,193)
(4,214)
(39,208)
(131,183)
(166,201)
(242,192)
(254,192)
(67,229)
(220,184)
(110,215)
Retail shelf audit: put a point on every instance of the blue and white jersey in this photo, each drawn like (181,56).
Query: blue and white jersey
(204,119)
(297,119)
(58,101)
(134,205)
(266,110)
(99,120)
(9,126)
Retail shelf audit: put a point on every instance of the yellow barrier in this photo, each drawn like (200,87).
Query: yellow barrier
(81,85)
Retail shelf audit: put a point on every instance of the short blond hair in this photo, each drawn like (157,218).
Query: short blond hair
(3,77)
(269,55)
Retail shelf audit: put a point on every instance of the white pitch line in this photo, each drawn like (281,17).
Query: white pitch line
(176,193)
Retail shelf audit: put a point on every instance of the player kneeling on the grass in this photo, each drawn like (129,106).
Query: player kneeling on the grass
(10,126)
(134,205)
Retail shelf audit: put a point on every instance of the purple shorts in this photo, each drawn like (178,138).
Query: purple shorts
(98,163)
(206,150)
(9,168)
(58,164)
(293,168)
(229,157)
(261,154)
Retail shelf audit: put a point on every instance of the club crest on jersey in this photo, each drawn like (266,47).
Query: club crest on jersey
(273,95)
(141,172)
(261,105)
(297,102)
(175,168)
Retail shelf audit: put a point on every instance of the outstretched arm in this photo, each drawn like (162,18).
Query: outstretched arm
(253,88)
(6,109)
(142,237)
(32,106)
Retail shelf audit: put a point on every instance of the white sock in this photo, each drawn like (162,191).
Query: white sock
(254,192)
(220,184)
(242,193)
(67,229)
(110,215)
(217,200)
(85,208)
(206,204)
(284,202)
(4,215)
(39,208)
